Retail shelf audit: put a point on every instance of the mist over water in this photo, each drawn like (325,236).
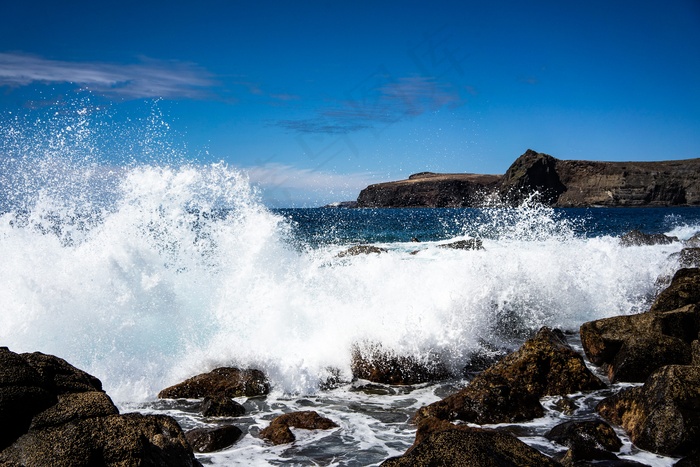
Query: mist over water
(149,272)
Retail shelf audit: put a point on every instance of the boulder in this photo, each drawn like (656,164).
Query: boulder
(469,244)
(225,381)
(684,290)
(61,377)
(75,406)
(663,415)
(374,363)
(639,238)
(530,173)
(586,440)
(510,390)
(631,347)
(688,257)
(221,406)
(278,431)
(115,440)
(213,439)
(474,447)
(694,241)
(361,250)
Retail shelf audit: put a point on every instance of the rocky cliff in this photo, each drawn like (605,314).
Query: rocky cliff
(560,183)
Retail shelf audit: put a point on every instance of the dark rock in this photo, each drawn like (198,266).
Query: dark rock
(75,406)
(586,440)
(695,349)
(566,405)
(692,460)
(373,363)
(663,415)
(532,172)
(115,440)
(631,347)
(688,257)
(278,431)
(470,244)
(228,382)
(510,390)
(486,356)
(221,406)
(361,250)
(638,238)
(213,439)
(684,290)
(694,241)
(60,376)
(474,447)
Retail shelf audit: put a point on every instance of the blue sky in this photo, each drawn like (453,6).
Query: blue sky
(317,99)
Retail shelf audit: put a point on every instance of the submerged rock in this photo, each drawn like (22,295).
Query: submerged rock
(586,440)
(54,414)
(510,390)
(361,250)
(475,447)
(213,439)
(221,406)
(469,244)
(663,415)
(639,238)
(225,381)
(278,431)
(373,363)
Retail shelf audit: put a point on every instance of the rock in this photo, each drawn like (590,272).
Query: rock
(115,440)
(221,406)
(474,447)
(684,290)
(509,391)
(213,439)
(586,440)
(60,376)
(663,415)
(638,238)
(470,244)
(75,406)
(361,250)
(225,381)
(532,172)
(688,257)
(695,349)
(692,460)
(278,431)
(694,241)
(631,347)
(342,204)
(430,190)
(373,363)
(486,356)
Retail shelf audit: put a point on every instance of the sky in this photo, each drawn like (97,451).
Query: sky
(317,99)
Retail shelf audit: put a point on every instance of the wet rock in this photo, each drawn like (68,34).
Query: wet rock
(510,390)
(474,447)
(695,349)
(225,381)
(631,347)
(684,290)
(469,244)
(486,356)
(586,440)
(694,241)
(221,406)
(692,460)
(566,405)
(639,238)
(663,415)
(376,364)
(75,406)
(688,257)
(278,431)
(115,440)
(61,377)
(361,250)
(213,439)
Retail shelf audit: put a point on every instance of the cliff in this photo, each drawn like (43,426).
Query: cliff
(560,183)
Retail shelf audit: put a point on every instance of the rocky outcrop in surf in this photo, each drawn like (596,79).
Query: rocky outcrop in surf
(225,381)
(55,414)
(559,183)
(278,431)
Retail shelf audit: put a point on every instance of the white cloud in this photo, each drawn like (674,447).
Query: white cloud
(145,79)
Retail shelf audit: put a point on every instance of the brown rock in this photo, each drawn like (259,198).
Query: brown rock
(684,290)
(469,244)
(221,406)
(688,257)
(60,376)
(472,447)
(586,440)
(361,250)
(510,390)
(663,415)
(638,238)
(213,439)
(373,363)
(75,406)
(278,431)
(228,382)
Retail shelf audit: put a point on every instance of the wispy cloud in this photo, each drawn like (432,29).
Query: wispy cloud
(146,79)
(388,102)
(276,175)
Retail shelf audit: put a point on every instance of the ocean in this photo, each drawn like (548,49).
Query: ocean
(144,271)
(158,273)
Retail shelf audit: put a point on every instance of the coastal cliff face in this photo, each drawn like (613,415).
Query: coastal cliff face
(428,189)
(560,183)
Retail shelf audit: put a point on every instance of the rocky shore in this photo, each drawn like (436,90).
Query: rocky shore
(559,183)
(55,414)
